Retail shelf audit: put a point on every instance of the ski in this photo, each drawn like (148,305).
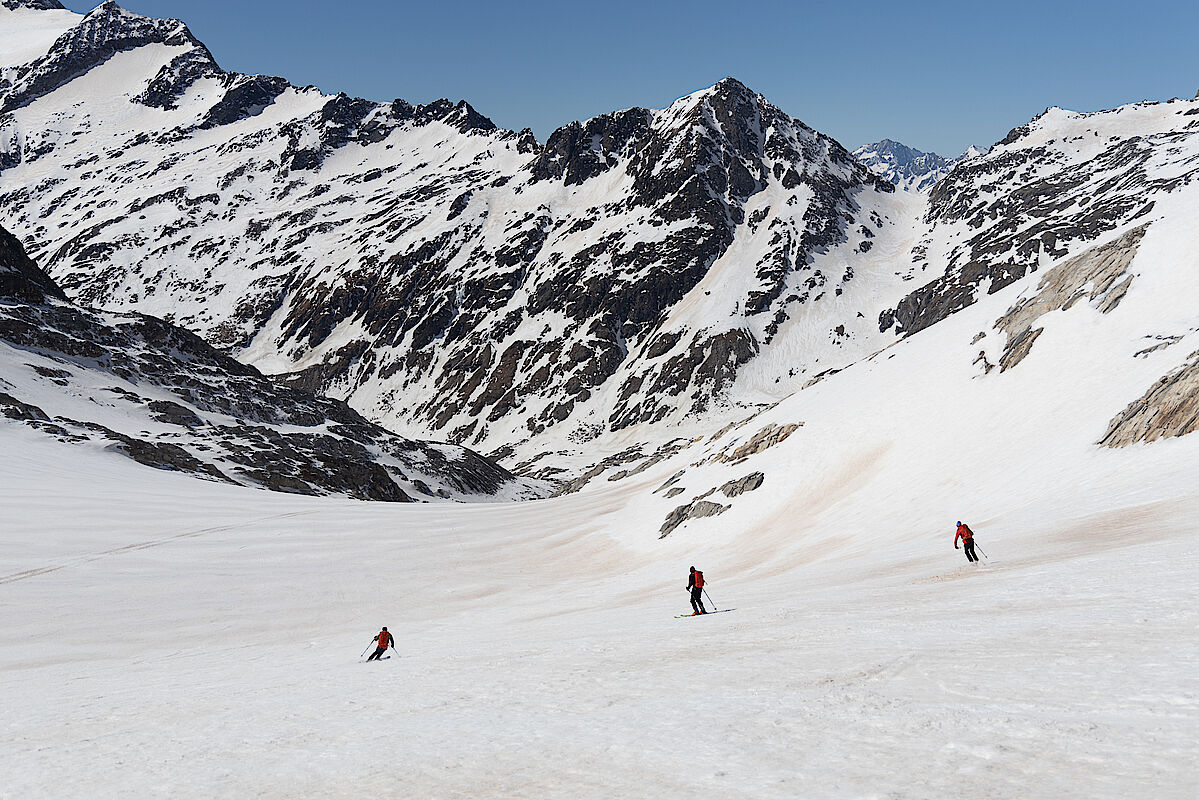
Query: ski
(688,616)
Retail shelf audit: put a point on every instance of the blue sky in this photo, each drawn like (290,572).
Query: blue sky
(935,75)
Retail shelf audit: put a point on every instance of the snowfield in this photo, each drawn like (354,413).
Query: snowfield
(167,637)
(163,636)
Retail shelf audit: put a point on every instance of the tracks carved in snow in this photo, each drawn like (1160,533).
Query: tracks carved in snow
(74,562)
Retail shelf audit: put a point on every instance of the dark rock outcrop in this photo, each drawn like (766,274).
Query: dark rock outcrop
(220,418)
(174,79)
(20,278)
(696,509)
(747,484)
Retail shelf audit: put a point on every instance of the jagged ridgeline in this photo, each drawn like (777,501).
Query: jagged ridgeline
(642,268)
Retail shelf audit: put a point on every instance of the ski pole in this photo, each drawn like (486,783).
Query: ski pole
(979,549)
(710,600)
(368,647)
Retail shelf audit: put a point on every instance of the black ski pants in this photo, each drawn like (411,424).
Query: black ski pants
(697,599)
(378,652)
(968,546)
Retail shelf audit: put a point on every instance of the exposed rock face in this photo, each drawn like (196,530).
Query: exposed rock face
(13,408)
(1099,275)
(762,440)
(1169,408)
(1049,189)
(20,278)
(694,510)
(184,406)
(742,485)
(633,455)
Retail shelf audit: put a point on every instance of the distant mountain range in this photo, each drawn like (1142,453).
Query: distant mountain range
(907,167)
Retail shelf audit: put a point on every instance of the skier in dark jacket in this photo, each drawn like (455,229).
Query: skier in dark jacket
(385,640)
(967,536)
(696,584)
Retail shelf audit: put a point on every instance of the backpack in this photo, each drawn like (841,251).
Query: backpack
(699,580)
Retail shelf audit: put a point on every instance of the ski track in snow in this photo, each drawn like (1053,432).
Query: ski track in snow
(538,656)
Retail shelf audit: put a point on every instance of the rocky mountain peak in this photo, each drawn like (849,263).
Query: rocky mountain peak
(105,31)
(734,112)
(730,85)
(898,150)
(117,21)
(724,119)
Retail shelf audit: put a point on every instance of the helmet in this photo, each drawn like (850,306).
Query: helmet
(693,569)
(959,524)
(384,627)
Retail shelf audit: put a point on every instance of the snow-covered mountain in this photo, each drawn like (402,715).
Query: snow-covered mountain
(439,273)
(641,278)
(905,166)
(1048,190)
(147,390)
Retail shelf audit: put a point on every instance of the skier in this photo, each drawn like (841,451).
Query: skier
(967,536)
(384,639)
(696,584)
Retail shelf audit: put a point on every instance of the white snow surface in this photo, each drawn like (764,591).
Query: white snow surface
(27,34)
(161,636)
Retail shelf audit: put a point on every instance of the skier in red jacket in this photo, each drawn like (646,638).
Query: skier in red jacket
(385,640)
(696,585)
(967,536)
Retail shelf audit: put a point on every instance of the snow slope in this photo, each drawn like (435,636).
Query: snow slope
(174,637)
(203,643)
(27,33)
